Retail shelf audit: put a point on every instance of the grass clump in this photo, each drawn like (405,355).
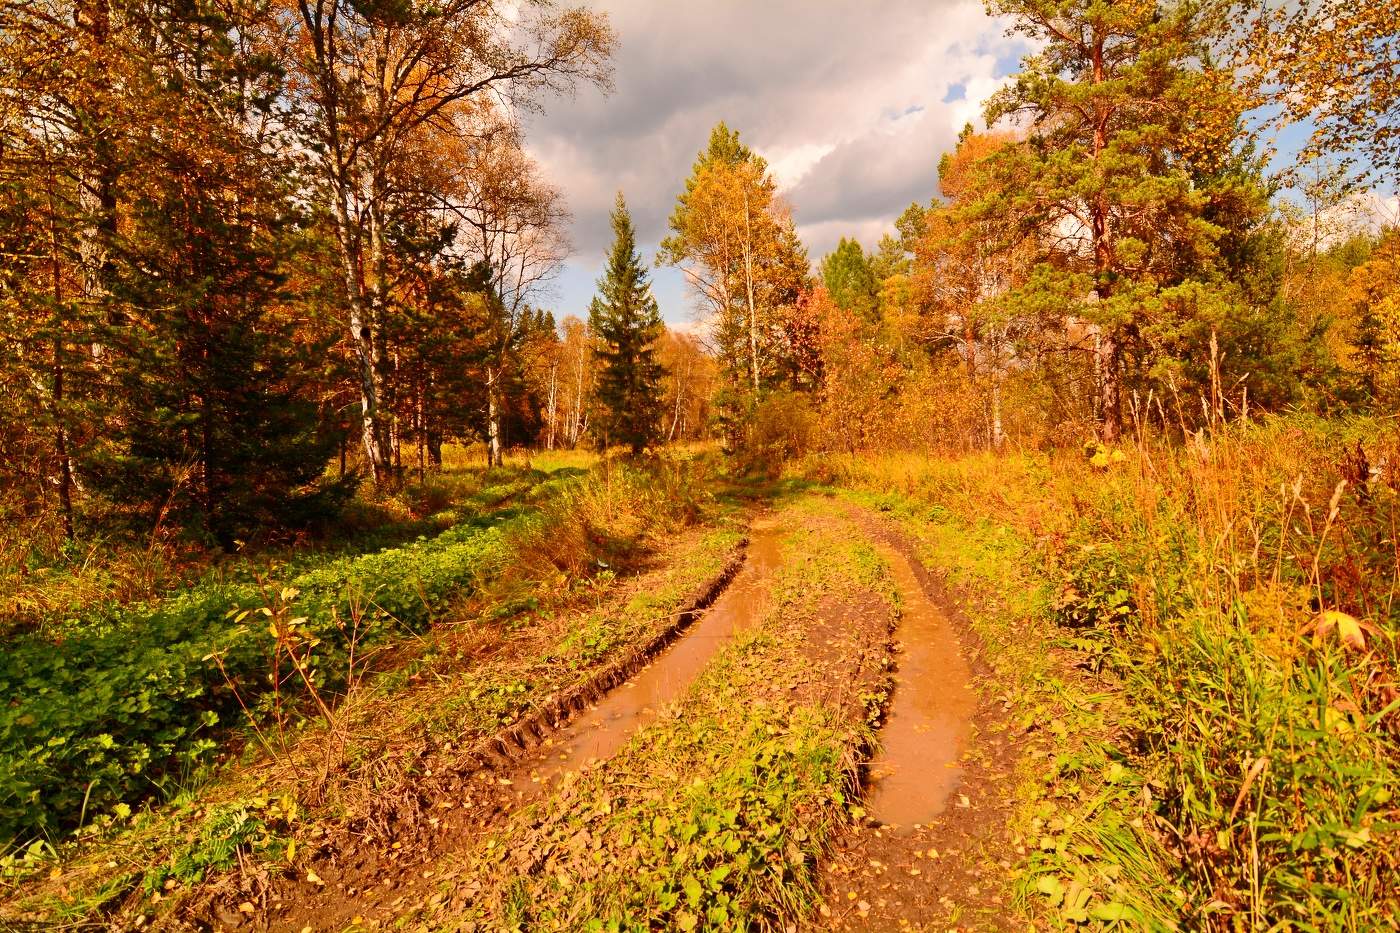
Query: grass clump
(1222,710)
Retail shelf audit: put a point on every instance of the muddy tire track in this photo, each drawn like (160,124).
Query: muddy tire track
(946,872)
(461,796)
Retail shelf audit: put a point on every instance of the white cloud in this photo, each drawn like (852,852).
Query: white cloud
(852,103)
(788,166)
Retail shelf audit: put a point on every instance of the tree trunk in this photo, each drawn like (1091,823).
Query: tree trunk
(97,203)
(998,438)
(65,463)
(60,415)
(1107,366)
(676,417)
(553,395)
(361,338)
(493,420)
(578,417)
(748,286)
(1106,349)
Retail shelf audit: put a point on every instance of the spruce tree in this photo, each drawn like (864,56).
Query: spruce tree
(626,323)
(206,369)
(850,281)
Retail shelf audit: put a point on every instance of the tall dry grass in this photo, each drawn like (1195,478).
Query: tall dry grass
(1237,594)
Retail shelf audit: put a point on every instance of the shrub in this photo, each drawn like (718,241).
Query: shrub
(781,430)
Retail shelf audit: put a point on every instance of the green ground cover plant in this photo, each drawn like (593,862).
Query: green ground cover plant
(48,591)
(139,700)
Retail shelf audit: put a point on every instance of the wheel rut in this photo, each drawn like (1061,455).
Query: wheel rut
(928,786)
(929,720)
(523,764)
(600,731)
(935,839)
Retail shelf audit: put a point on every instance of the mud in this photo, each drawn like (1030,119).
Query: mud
(947,873)
(366,875)
(600,732)
(929,721)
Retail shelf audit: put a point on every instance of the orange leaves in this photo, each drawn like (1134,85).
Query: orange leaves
(1349,631)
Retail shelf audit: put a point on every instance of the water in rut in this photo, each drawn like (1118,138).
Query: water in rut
(601,731)
(930,714)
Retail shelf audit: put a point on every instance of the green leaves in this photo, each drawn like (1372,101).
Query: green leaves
(127,704)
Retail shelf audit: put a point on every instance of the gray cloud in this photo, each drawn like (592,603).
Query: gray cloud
(847,100)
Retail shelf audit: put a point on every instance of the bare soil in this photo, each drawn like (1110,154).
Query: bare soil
(948,872)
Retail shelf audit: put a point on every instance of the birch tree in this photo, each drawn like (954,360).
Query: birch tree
(737,247)
(373,77)
(513,225)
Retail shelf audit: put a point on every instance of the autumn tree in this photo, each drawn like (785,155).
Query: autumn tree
(968,259)
(739,251)
(737,245)
(373,79)
(626,324)
(63,125)
(176,382)
(1376,286)
(1336,65)
(226,432)
(577,376)
(512,224)
(688,385)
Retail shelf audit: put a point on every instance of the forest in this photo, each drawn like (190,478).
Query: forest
(1032,566)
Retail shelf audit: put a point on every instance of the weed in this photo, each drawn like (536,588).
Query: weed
(1229,607)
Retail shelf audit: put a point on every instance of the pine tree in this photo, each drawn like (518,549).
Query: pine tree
(848,277)
(1126,117)
(626,323)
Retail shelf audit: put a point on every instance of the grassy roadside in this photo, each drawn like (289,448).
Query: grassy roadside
(554,601)
(1201,641)
(52,591)
(1079,857)
(713,817)
(121,707)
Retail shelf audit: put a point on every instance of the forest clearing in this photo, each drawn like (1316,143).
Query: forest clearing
(385,547)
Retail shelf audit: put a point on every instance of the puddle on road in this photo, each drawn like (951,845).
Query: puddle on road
(601,731)
(930,715)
